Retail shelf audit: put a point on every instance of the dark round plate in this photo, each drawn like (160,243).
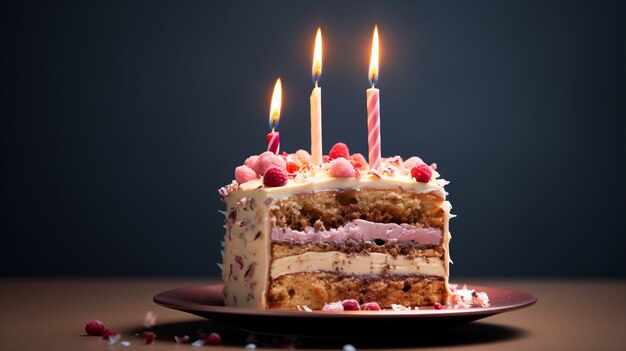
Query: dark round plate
(206,301)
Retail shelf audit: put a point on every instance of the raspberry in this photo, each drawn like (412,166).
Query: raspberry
(358,162)
(275,176)
(210,339)
(149,337)
(437,306)
(339,150)
(95,328)
(422,173)
(350,305)
(292,167)
(325,159)
(371,306)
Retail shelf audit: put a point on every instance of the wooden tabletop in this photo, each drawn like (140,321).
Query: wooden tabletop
(50,314)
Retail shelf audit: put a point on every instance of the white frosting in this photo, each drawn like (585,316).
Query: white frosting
(362,230)
(322,181)
(372,263)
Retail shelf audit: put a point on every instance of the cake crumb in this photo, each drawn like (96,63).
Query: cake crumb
(333,306)
(466,298)
(400,307)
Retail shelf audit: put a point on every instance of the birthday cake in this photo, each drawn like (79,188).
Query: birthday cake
(304,236)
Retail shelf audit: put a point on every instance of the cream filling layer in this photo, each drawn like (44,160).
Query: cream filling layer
(362,230)
(372,263)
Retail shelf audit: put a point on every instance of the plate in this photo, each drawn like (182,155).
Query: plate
(206,301)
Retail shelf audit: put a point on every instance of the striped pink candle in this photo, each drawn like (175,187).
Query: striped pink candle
(273,142)
(373,107)
(373,127)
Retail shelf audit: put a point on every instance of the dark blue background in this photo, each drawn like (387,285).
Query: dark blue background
(121,119)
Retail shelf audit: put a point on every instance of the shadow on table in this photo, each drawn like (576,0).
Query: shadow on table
(466,334)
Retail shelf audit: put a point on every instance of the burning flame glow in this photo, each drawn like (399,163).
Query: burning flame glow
(275,106)
(373,72)
(317,57)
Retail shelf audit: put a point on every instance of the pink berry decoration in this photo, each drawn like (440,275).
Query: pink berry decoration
(341,168)
(95,328)
(422,173)
(358,162)
(244,174)
(212,339)
(267,160)
(303,156)
(149,337)
(351,305)
(250,160)
(275,176)
(370,306)
(339,150)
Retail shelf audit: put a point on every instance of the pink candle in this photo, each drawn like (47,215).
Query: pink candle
(373,108)
(373,127)
(273,138)
(273,142)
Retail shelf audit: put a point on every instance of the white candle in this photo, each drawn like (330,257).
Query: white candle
(373,108)
(316,103)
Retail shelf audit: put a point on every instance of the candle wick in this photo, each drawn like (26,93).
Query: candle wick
(373,81)
(316,81)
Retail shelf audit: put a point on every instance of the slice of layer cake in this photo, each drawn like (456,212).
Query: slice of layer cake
(302,235)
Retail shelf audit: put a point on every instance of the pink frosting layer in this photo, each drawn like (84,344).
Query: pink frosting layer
(362,230)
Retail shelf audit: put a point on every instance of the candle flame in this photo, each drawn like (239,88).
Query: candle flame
(317,57)
(275,106)
(373,72)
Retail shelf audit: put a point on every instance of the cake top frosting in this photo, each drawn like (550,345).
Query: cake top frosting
(288,172)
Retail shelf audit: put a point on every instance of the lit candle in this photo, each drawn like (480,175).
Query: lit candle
(273,138)
(373,107)
(316,102)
